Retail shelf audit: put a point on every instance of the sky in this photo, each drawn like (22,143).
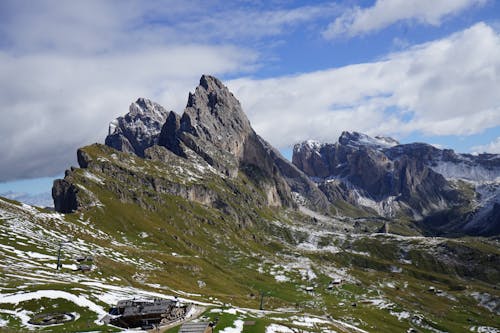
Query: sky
(415,70)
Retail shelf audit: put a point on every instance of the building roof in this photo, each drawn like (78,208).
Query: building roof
(193,327)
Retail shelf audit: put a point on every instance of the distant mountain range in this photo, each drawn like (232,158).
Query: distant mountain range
(442,191)
(435,191)
(38,199)
(200,206)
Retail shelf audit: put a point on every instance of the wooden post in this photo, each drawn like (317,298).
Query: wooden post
(262,294)
(59,265)
(59,254)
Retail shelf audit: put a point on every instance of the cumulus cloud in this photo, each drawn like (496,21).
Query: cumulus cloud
(492,147)
(251,24)
(359,21)
(445,87)
(114,25)
(68,68)
(52,104)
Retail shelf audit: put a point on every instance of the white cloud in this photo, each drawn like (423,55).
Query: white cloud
(492,147)
(446,87)
(103,26)
(66,71)
(53,104)
(68,68)
(359,21)
(254,24)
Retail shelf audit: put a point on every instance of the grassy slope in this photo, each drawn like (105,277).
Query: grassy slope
(186,246)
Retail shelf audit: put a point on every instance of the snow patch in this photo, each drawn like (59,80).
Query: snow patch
(52,294)
(484,329)
(90,176)
(276,328)
(467,171)
(401,315)
(238,327)
(308,321)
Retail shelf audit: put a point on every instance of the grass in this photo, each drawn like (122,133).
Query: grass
(216,250)
(84,322)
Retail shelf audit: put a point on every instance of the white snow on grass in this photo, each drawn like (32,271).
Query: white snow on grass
(23,315)
(93,177)
(484,329)
(401,315)
(281,278)
(275,328)
(231,311)
(52,294)
(36,255)
(236,328)
(308,321)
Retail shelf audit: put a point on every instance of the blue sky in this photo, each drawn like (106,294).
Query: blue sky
(417,70)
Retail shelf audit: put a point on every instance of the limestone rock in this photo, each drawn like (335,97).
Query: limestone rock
(65,196)
(139,129)
(366,171)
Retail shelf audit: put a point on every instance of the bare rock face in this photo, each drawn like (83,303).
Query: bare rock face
(213,130)
(367,171)
(312,157)
(214,126)
(139,129)
(215,116)
(65,196)
(169,134)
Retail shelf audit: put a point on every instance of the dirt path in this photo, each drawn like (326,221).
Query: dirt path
(198,310)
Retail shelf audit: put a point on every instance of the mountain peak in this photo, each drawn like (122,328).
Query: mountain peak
(212,92)
(211,83)
(215,119)
(139,128)
(388,140)
(307,145)
(360,139)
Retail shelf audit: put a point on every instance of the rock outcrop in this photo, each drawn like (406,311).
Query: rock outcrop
(211,150)
(64,194)
(139,129)
(357,169)
(212,130)
(417,180)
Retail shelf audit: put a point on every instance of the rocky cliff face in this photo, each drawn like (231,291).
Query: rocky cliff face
(417,180)
(212,133)
(65,196)
(138,129)
(211,155)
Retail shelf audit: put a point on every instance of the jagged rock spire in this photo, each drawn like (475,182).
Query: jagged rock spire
(138,129)
(214,115)
(214,127)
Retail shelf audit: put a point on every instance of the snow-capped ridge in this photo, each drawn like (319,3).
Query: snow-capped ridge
(415,179)
(360,139)
(139,128)
(308,144)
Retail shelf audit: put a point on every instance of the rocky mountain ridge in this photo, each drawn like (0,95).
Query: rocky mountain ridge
(138,129)
(213,132)
(175,218)
(359,176)
(443,189)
